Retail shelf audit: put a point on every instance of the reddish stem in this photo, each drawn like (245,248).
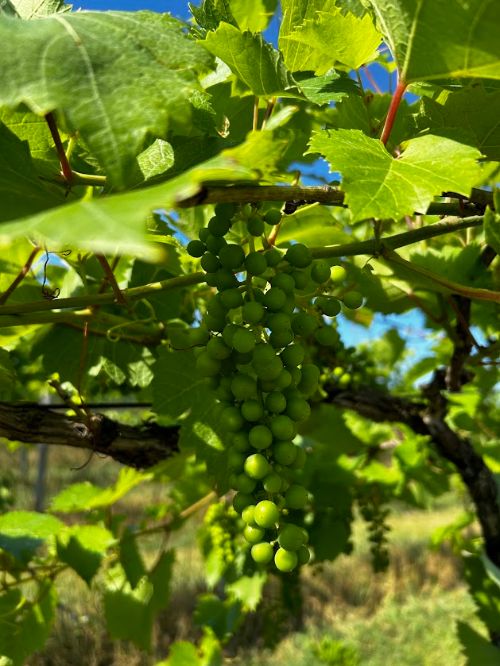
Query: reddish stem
(66,169)
(393,109)
(108,271)
(20,276)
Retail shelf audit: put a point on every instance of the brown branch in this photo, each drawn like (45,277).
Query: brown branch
(111,279)
(135,446)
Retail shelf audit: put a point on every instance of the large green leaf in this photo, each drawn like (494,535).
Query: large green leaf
(381,186)
(253,60)
(123,215)
(295,12)
(28,9)
(434,40)
(254,15)
(472,109)
(21,191)
(332,37)
(22,532)
(477,649)
(100,71)
(83,547)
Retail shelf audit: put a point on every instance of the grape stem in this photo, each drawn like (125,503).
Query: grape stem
(392,112)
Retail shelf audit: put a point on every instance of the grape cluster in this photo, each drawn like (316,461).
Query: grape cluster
(375,515)
(221,524)
(268,305)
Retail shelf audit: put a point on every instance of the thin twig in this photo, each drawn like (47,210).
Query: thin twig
(66,170)
(20,276)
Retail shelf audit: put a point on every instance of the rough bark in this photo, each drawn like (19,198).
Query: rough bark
(135,446)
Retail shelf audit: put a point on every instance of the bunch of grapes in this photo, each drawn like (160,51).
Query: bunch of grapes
(221,524)
(269,304)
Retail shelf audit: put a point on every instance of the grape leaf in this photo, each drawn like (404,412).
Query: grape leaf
(253,16)
(296,54)
(333,37)
(129,615)
(123,215)
(472,109)
(380,186)
(477,648)
(21,191)
(83,547)
(432,40)
(331,87)
(253,60)
(22,532)
(28,9)
(100,71)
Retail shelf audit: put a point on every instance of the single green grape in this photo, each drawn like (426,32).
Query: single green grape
(298,409)
(217,349)
(273,483)
(274,299)
(296,497)
(196,248)
(284,281)
(255,263)
(273,257)
(210,263)
(241,501)
(291,537)
(253,312)
(304,323)
(260,437)
(243,387)
(353,300)
(327,337)
(219,226)
(244,484)
(285,560)
(231,419)
(298,255)
(275,402)
(207,366)
(253,534)
(284,453)
(248,514)
(283,427)
(338,274)
(257,466)
(320,271)
(243,340)
(273,216)
(262,553)
(252,410)
(266,514)
(232,256)
(255,225)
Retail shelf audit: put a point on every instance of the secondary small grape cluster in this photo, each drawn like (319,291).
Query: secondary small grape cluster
(268,305)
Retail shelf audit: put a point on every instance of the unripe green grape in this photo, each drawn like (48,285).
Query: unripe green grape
(224,279)
(232,256)
(210,263)
(266,514)
(241,358)
(253,534)
(283,427)
(244,484)
(328,306)
(283,380)
(255,225)
(241,501)
(284,453)
(293,355)
(303,555)
(255,263)
(262,553)
(199,335)
(326,336)
(320,271)
(338,274)
(310,379)
(274,299)
(260,437)
(228,334)
(196,248)
(231,419)
(285,282)
(273,257)
(252,410)
(225,209)
(235,460)
(243,340)
(256,466)
(219,226)
(285,560)
(353,300)
(273,216)
(203,234)
(215,243)
(276,321)
(207,366)
(275,402)
(270,370)
(303,323)
(273,483)
(240,441)
(248,514)
(211,279)
(291,537)
(253,312)
(281,338)
(296,497)
(231,298)
(217,349)
(215,323)
(298,409)
(298,255)
(301,278)
(345,380)
(243,387)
